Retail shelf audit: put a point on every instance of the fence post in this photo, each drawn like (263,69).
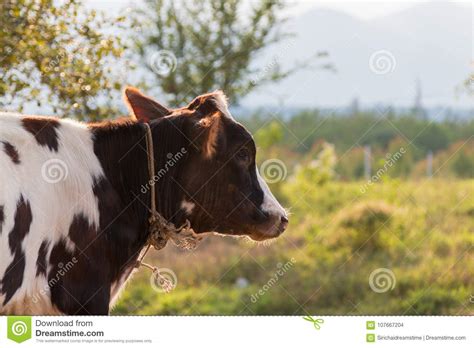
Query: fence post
(429,164)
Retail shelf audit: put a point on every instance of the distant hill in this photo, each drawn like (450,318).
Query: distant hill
(430,42)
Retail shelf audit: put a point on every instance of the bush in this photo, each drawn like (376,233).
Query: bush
(361,225)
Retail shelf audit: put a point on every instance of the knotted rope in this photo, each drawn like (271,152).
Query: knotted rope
(160,229)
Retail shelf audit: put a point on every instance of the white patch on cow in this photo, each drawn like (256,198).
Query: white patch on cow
(53,205)
(270,204)
(187,206)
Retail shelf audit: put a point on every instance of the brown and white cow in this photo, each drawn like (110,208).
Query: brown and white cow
(74,211)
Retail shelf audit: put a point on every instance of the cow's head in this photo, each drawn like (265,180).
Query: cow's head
(220,187)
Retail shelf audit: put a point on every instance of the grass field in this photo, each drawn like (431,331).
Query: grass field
(332,258)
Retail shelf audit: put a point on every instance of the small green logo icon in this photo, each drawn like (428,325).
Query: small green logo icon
(370,325)
(19,329)
(316,322)
(370,338)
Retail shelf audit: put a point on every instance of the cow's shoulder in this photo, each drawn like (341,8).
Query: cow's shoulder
(48,166)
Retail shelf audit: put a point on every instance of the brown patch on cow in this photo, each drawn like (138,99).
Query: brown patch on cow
(62,264)
(44,130)
(108,200)
(79,281)
(81,232)
(11,152)
(13,277)
(41,260)
(23,218)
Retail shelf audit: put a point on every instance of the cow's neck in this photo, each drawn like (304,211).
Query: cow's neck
(121,149)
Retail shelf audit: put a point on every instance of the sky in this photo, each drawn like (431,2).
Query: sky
(363,10)
(414,61)
(360,9)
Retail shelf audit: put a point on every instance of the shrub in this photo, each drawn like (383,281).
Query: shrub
(360,225)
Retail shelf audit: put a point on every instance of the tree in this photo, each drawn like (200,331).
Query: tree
(55,54)
(197,46)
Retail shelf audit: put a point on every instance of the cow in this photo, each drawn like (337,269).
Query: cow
(75,197)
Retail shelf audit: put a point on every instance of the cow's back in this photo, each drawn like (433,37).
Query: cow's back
(47,173)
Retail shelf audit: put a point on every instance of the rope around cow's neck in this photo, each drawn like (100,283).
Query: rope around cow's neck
(161,230)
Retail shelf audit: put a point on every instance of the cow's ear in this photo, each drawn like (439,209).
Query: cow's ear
(143,108)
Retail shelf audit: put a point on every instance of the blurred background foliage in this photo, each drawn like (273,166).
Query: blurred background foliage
(57,54)
(301,136)
(214,44)
(415,217)
(422,231)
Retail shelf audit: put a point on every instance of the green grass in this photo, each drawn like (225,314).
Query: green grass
(423,231)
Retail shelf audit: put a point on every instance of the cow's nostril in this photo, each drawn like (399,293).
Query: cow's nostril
(283,224)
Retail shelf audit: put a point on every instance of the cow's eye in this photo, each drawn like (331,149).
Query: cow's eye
(243,155)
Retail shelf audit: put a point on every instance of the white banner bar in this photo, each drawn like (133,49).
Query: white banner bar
(255,331)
